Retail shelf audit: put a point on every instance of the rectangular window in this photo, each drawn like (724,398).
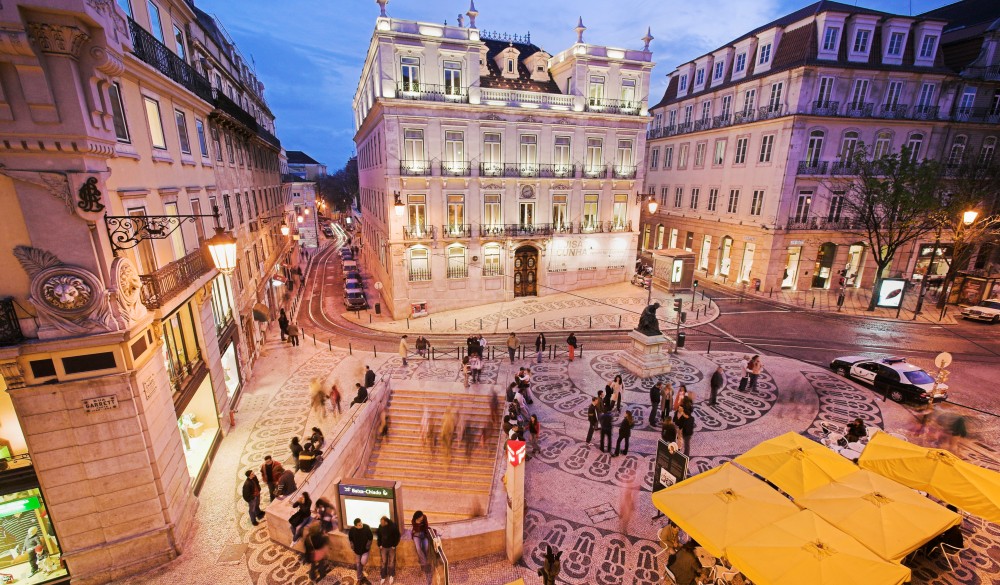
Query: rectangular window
(492,157)
(706,110)
(528,152)
(682,157)
(420,264)
(926,95)
(628,92)
(239,210)
(596,90)
(741,150)
(825,91)
(757,202)
(416,213)
(741,63)
(454,151)
(699,77)
(836,206)
(155,26)
(713,199)
(562,152)
(199,223)
(176,236)
(410,73)
(896,44)
(560,213)
(927,46)
(664,193)
(688,114)
(682,85)
(668,157)
(623,156)
(229,210)
(765,54)
(595,155)
(118,113)
(892,93)
(727,106)
(734,201)
(830,38)
(155,123)
(861,39)
(860,93)
(229,147)
(671,118)
(774,103)
(673,238)
(749,101)
(492,218)
(590,217)
(179,42)
(678,196)
(619,211)
(720,153)
(968,98)
(491,260)
(654,158)
(453,78)
(216,144)
(456,213)
(766,145)
(182,131)
(802,206)
(457,268)
(200,127)
(719,69)
(695,192)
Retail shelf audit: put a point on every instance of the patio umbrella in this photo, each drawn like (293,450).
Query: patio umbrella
(937,472)
(804,548)
(889,518)
(722,506)
(795,463)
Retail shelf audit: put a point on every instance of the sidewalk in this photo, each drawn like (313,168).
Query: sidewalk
(608,307)
(855,303)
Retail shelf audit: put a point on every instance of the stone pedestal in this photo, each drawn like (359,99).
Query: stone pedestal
(648,355)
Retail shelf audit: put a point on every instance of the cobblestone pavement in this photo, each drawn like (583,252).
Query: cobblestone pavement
(578,498)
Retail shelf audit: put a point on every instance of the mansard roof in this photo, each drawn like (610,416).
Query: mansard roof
(523,81)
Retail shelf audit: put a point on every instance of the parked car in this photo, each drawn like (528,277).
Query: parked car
(892,377)
(988,310)
(350,266)
(352,275)
(355,301)
(353,285)
(328,231)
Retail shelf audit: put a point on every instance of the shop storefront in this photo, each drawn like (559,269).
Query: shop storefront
(198,422)
(231,370)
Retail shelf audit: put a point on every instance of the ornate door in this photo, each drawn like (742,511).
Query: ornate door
(525,272)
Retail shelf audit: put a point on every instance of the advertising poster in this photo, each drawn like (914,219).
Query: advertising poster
(891,294)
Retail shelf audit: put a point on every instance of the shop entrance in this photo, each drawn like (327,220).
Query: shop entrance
(747,262)
(525,271)
(824,265)
(855,264)
(725,250)
(791,267)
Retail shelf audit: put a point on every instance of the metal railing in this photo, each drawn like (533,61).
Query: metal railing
(456,230)
(151,51)
(557,171)
(591,226)
(490,169)
(528,230)
(770,111)
(812,167)
(171,280)
(893,111)
(859,110)
(431,93)
(10,326)
(624,171)
(618,226)
(458,271)
(418,232)
(419,275)
(515,97)
(825,108)
(610,106)
(455,169)
(492,269)
(844,167)
(491,230)
(562,227)
(414,168)
(988,115)
(925,112)
(592,172)
(822,223)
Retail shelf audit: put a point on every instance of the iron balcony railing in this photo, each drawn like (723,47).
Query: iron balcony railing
(770,111)
(224,104)
(591,226)
(491,230)
(491,169)
(925,112)
(893,111)
(458,271)
(812,167)
(825,108)
(418,232)
(562,227)
(844,167)
(624,171)
(616,225)
(744,117)
(455,169)
(859,110)
(171,280)
(419,274)
(557,171)
(822,223)
(432,93)
(10,326)
(722,121)
(528,230)
(456,230)
(610,106)
(496,96)
(151,51)
(414,168)
(988,115)
(595,172)
(492,269)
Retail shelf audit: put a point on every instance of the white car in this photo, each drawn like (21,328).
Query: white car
(892,377)
(988,310)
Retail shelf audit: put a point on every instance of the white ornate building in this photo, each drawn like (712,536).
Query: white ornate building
(491,169)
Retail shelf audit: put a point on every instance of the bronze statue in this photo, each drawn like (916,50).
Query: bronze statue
(648,323)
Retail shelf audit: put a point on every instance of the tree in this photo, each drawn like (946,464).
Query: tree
(342,188)
(890,201)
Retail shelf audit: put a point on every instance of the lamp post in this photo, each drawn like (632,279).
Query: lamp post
(968,218)
(125,232)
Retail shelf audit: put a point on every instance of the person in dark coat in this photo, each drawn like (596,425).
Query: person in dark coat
(608,395)
(270,470)
(624,433)
(388,539)
(283,324)
(571,345)
(685,565)
(296,448)
(301,517)
(286,482)
(686,421)
(362,394)
(360,536)
(606,421)
(593,411)
(669,431)
(32,542)
(539,346)
(654,402)
(251,495)
(307,458)
(369,377)
(718,381)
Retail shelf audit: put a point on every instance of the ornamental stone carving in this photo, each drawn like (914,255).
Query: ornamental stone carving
(527,192)
(561,187)
(55,183)
(491,186)
(66,291)
(126,287)
(15,42)
(58,39)
(107,62)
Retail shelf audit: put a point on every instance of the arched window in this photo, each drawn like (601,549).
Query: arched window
(457,268)
(913,145)
(957,151)
(491,260)
(815,147)
(883,145)
(986,154)
(659,236)
(420,264)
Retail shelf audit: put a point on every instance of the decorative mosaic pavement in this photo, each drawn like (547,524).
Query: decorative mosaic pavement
(594,507)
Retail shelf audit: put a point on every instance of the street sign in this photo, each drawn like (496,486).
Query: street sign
(515,452)
(943,360)
(670,467)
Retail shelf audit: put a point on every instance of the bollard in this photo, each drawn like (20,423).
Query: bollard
(709,346)
(581,355)
(619,321)
(591,326)
(350,350)
(375,350)
(508,322)
(770,293)
(814,303)
(456,324)
(329,344)
(480,324)
(564,323)
(314,340)
(369,318)
(430,324)
(533,324)
(407,323)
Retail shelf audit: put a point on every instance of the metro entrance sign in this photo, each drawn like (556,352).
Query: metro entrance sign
(366,491)
(515,452)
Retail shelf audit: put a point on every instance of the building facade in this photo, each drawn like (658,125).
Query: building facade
(115,324)
(750,142)
(490,169)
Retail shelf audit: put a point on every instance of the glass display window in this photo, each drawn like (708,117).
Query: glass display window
(199,426)
(29,550)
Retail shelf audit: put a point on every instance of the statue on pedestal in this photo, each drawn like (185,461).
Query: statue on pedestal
(648,323)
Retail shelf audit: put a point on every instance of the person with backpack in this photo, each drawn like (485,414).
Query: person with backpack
(571,345)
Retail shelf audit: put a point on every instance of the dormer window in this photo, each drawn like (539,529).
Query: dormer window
(682,85)
(699,77)
(510,65)
(765,54)
(861,39)
(927,46)
(896,44)
(719,67)
(830,38)
(741,63)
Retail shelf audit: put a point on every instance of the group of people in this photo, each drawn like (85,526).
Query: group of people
(600,415)
(519,423)
(289,329)
(387,537)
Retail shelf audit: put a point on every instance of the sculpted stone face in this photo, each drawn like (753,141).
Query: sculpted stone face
(66,291)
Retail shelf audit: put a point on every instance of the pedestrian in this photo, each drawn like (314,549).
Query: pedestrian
(335,398)
(33,546)
(388,539)
(317,547)
(593,412)
(669,431)
(360,536)
(666,399)
(296,448)
(608,397)
(687,421)
(654,402)
(476,366)
(317,397)
(471,345)
(426,434)
(466,371)
(534,428)
(403,349)
(293,333)
(482,346)
(286,482)
(624,433)
(539,347)
(383,428)
(421,532)
(270,470)
(251,495)
(678,399)
(325,513)
(755,368)
(520,400)
(606,428)
(494,409)
(571,345)
(718,381)
(512,344)
(361,396)
(369,377)
(421,346)
(283,324)
(616,392)
(301,517)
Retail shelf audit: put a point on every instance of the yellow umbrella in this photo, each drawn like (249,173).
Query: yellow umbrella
(937,472)
(889,518)
(804,548)
(796,464)
(722,506)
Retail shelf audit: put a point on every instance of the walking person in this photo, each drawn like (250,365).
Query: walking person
(608,394)
(624,433)
(616,393)
(466,371)
(512,344)
(686,422)
(539,347)
(593,414)
(476,367)
(654,402)
(360,536)
(317,397)
(716,384)
(296,448)
(403,349)
(293,333)
(606,428)
(421,531)
(317,548)
(534,428)
(387,534)
(270,470)
(754,369)
(678,399)
(251,495)
(283,324)
(571,345)
(335,398)
(482,346)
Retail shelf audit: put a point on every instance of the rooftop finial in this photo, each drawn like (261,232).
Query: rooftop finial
(579,30)
(461,20)
(472,13)
(381,4)
(647,39)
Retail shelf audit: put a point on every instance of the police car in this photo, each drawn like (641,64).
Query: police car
(892,377)
(988,310)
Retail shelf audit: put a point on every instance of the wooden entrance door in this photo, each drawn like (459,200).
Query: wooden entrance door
(525,272)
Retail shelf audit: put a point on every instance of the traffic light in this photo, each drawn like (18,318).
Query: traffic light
(677,305)
(683,317)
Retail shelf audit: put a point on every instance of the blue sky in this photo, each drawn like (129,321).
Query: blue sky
(309,53)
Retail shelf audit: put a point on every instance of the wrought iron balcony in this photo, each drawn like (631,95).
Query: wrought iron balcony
(151,51)
(743,117)
(528,230)
(557,171)
(722,121)
(489,169)
(925,112)
(844,167)
(171,280)
(624,172)
(595,172)
(610,106)
(520,170)
(823,223)
(455,169)
(231,108)
(419,274)
(418,232)
(618,226)
(770,111)
(415,168)
(495,230)
(456,230)
(10,326)
(825,108)
(431,93)
(458,271)
(812,167)
(493,269)
(703,124)
(591,226)
(986,115)
(893,112)
(859,110)
(562,227)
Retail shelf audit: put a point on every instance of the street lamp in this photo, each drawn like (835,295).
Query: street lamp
(969,217)
(300,219)
(284,228)
(398,205)
(222,247)
(651,204)
(126,232)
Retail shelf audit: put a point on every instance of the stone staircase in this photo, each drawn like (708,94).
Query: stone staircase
(446,490)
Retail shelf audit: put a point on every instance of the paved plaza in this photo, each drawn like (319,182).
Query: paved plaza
(595,508)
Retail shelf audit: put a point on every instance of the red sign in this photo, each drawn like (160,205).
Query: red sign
(516,452)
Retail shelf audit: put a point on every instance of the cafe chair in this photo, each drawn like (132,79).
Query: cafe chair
(948,551)
(722,575)
(669,575)
(668,547)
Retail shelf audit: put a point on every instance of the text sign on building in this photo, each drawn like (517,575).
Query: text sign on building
(100,403)
(19,506)
(365,491)
(515,452)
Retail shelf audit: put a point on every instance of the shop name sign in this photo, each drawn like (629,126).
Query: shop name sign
(19,506)
(100,403)
(573,248)
(367,491)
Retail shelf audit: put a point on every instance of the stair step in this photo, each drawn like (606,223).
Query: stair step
(435,485)
(437,516)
